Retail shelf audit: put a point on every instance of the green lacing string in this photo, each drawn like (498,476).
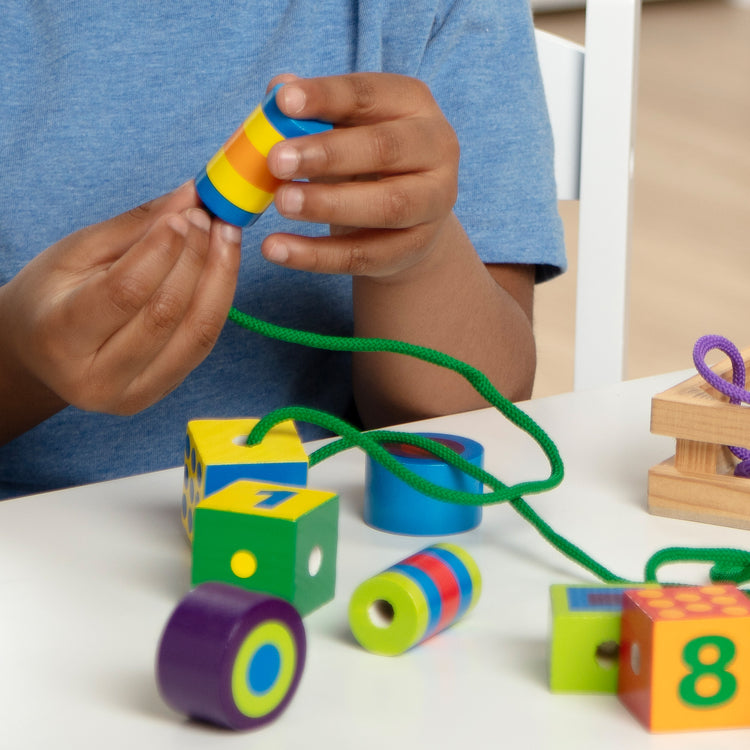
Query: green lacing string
(371,443)
(729,565)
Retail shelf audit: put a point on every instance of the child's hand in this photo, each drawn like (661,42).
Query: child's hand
(385,178)
(113,317)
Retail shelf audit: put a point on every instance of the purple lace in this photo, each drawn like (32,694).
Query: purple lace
(735,390)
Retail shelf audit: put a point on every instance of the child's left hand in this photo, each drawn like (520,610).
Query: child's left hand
(385,178)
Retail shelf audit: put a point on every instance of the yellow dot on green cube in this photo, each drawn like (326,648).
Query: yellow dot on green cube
(243,563)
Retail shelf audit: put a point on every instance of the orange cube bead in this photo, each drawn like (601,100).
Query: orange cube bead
(685,657)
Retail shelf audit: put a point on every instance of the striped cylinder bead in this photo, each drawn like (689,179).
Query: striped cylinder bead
(236,184)
(414,599)
(231,657)
(394,506)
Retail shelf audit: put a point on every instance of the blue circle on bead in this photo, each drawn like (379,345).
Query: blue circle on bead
(263,670)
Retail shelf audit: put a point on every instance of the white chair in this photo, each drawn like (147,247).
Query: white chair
(591,94)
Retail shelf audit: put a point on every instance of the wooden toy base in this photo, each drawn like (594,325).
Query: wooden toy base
(721,499)
(698,483)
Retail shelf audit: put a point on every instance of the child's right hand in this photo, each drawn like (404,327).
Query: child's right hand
(114,316)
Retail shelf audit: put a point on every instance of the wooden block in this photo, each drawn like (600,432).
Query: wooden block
(698,483)
(721,499)
(217,454)
(685,657)
(276,539)
(694,410)
(703,458)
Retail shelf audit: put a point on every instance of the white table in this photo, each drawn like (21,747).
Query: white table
(89,576)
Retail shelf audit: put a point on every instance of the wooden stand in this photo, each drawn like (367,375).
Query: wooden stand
(697,483)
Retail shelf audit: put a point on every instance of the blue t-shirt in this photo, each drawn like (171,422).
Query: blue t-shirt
(104,106)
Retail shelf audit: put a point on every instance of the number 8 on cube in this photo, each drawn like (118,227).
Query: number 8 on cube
(685,657)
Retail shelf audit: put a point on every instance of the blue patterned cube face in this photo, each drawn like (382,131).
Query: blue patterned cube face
(217,454)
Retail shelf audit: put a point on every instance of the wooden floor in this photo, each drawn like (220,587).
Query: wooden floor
(690,267)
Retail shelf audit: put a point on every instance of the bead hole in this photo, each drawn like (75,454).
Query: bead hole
(607,654)
(315,561)
(635,658)
(381,613)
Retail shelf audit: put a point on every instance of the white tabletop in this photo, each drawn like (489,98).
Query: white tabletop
(89,576)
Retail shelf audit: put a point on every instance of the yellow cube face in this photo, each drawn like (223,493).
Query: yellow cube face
(697,642)
(224,441)
(263,499)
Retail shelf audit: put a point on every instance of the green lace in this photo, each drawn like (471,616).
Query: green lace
(730,565)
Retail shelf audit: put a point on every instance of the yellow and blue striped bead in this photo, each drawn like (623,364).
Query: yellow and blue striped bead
(236,185)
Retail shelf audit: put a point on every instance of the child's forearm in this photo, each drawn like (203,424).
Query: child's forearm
(455,304)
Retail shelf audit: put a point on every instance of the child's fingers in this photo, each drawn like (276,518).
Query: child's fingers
(392,202)
(141,338)
(361,252)
(394,147)
(355,98)
(113,296)
(106,241)
(281,78)
(195,336)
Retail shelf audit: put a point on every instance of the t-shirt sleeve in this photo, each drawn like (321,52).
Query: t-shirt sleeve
(481,65)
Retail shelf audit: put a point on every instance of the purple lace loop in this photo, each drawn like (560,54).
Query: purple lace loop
(734,390)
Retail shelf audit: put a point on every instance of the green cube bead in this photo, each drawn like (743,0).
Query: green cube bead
(277,539)
(585,637)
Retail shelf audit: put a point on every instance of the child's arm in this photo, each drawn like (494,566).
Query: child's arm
(389,181)
(113,317)
(479,314)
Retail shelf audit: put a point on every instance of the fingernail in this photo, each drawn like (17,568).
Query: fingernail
(276,251)
(293,99)
(291,200)
(287,160)
(199,219)
(231,233)
(178,224)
